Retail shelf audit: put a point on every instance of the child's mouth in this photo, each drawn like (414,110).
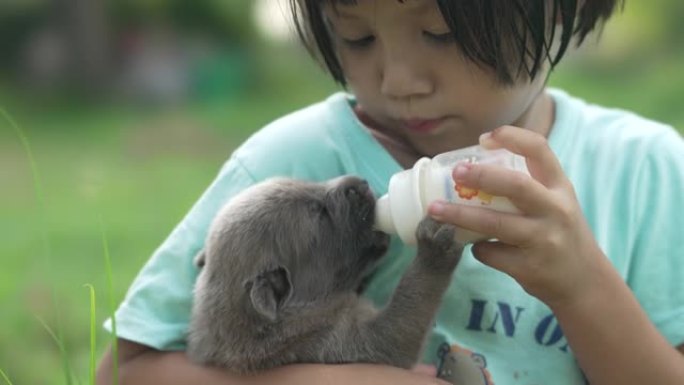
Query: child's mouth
(422,126)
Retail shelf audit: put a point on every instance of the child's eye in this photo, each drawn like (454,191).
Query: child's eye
(443,38)
(359,43)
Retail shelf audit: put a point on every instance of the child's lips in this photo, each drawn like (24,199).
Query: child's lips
(422,126)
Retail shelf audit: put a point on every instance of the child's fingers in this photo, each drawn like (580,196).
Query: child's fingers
(526,193)
(541,161)
(499,256)
(509,228)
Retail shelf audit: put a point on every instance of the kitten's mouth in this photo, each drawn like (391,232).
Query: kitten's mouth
(380,243)
(380,240)
(359,197)
(366,206)
(367,215)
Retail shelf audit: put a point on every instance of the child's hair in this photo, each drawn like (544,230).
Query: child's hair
(507,36)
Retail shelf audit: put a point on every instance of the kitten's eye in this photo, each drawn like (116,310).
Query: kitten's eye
(442,38)
(359,43)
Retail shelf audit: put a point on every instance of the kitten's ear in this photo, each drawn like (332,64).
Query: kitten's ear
(269,290)
(200,259)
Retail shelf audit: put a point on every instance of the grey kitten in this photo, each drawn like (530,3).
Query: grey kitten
(279,278)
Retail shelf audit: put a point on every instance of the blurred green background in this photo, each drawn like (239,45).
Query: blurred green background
(131,107)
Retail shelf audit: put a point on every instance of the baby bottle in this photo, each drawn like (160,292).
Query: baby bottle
(411,191)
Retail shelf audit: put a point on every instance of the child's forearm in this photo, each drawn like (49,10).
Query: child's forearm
(143,365)
(140,364)
(613,339)
(174,368)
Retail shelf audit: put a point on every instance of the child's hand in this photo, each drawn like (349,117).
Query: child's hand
(549,248)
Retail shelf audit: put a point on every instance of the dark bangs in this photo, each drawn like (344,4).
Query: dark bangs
(510,37)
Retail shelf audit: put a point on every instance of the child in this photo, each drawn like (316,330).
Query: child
(585,285)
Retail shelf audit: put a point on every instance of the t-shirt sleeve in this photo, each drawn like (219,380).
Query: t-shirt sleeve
(657,272)
(156,309)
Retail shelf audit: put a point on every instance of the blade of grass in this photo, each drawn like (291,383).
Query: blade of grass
(112,308)
(68,371)
(38,186)
(40,198)
(92,333)
(4,376)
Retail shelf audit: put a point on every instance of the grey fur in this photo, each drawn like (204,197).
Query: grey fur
(280,269)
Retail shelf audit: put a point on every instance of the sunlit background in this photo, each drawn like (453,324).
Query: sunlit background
(131,106)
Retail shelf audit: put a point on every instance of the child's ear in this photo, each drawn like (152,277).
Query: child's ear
(200,259)
(269,290)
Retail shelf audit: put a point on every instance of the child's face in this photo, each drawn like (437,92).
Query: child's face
(408,74)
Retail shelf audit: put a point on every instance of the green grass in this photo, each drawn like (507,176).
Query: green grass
(135,172)
(135,197)
(40,198)
(93,334)
(4,377)
(112,307)
(67,369)
(652,88)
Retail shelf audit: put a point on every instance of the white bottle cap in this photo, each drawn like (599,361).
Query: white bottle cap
(401,209)
(410,191)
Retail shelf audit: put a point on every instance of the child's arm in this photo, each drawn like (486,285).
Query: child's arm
(551,252)
(596,326)
(139,364)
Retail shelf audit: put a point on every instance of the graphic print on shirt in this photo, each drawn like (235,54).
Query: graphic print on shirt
(503,319)
(458,365)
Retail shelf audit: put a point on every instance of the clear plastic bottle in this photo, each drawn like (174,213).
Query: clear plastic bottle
(411,191)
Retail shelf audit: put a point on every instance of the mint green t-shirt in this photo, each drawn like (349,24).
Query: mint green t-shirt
(628,173)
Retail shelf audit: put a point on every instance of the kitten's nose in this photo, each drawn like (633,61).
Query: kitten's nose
(353,187)
(358,188)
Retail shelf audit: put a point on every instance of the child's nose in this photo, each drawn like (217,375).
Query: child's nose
(404,76)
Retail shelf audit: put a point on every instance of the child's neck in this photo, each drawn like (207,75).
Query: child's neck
(400,149)
(540,116)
